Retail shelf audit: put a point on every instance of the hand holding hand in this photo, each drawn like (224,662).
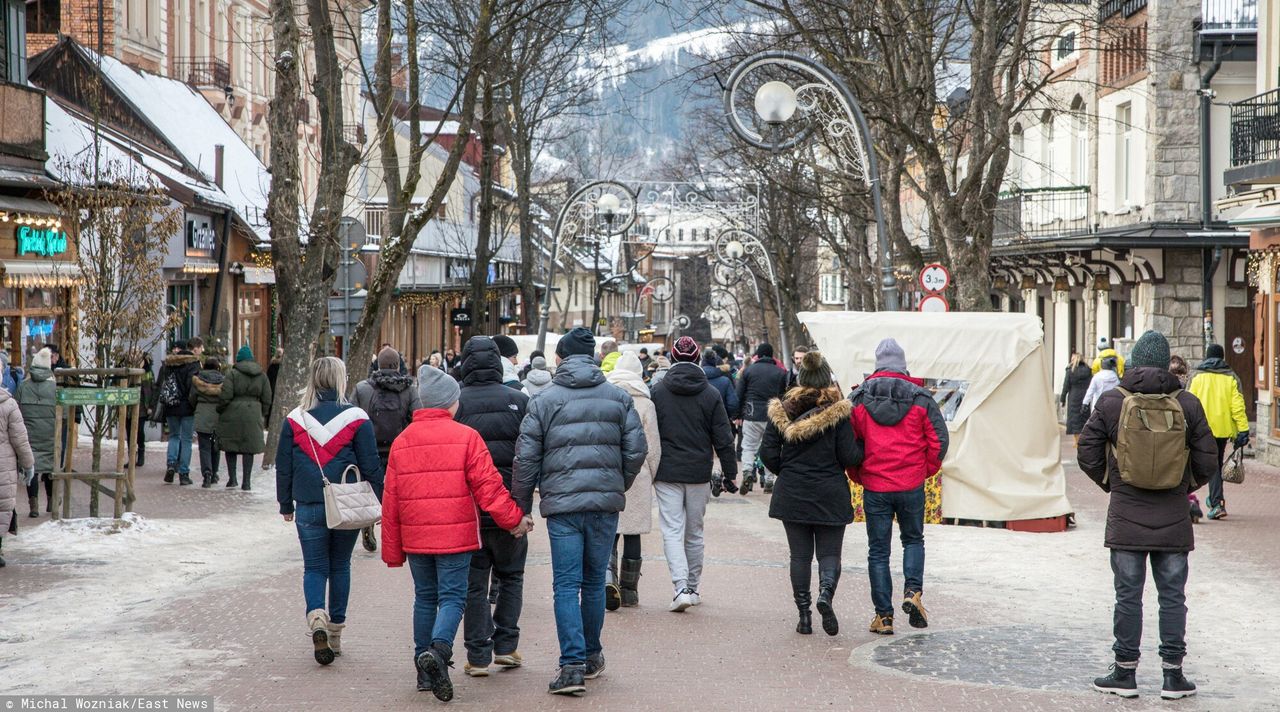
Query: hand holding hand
(287,517)
(524,527)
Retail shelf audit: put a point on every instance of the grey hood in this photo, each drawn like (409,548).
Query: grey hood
(578,372)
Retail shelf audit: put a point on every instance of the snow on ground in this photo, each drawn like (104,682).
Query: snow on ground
(92,629)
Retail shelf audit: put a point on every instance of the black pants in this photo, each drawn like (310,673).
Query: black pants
(495,629)
(33,489)
(246,459)
(806,540)
(208,445)
(1215,480)
(1169,570)
(630,545)
(142,442)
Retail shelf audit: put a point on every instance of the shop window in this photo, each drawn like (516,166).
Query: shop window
(1121,319)
(181,301)
(42,298)
(44,16)
(8,298)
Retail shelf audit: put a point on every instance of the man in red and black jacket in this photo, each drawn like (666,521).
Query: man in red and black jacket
(905,439)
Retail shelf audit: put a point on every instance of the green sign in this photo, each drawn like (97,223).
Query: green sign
(99,396)
(45,242)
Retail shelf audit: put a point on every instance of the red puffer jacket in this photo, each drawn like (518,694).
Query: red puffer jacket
(903,433)
(438,472)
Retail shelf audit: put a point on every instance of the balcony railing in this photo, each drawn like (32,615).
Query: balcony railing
(1042,212)
(1228,15)
(1126,8)
(202,72)
(1255,129)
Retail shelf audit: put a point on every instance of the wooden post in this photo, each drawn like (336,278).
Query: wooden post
(55,507)
(72,436)
(122,453)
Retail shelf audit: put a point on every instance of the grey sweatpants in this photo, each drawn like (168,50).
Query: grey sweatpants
(680,511)
(752,434)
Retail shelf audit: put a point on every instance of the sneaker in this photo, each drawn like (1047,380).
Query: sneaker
(595,666)
(569,681)
(697,598)
(509,661)
(917,616)
(475,670)
(1218,512)
(882,625)
(436,669)
(1176,686)
(1122,681)
(184,478)
(682,600)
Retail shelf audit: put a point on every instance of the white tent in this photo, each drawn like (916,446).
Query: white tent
(1004,461)
(528,342)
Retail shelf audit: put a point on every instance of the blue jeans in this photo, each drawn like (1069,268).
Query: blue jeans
(326,560)
(439,597)
(1169,569)
(581,543)
(181,430)
(880,508)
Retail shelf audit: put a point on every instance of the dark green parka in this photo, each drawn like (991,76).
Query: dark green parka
(243,407)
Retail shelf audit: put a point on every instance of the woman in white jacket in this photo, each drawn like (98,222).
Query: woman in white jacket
(1104,380)
(637,518)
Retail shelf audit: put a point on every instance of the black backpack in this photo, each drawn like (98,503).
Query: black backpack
(170,391)
(386,412)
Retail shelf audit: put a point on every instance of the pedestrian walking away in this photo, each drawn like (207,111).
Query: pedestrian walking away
(147,405)
(1102,381)
(758,384)
(243,407)
(717,373)
(581,446)
(1218,388)
(637,518)
(809,442)
(905,441)
(1148,473)
(1075,383)
(17,462)
(1107,350)
(37,401)
(510,353)
(319,439)
(486,405)
(609,355)
(694,429)
(537,379)
(173,404)
(438,473)
(390,399)
(206,396)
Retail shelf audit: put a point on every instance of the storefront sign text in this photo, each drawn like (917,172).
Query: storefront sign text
(201,237)
(41,241)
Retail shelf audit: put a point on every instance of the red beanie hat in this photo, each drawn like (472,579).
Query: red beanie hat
(686,349)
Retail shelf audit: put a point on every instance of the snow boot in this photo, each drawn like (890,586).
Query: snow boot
(168,475)
(830,625)
(244,482)
(1176,686)
(335,637)
(368,538)
(184,478)
(612,592)
(748,481)
(882,625)
(434,663)
(917,616)
(630,582)
(803,599)
(231,481)
(207,479)
(34,504)
(318,622)
(1122,681)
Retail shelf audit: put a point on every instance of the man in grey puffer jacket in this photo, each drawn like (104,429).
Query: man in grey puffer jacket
(582,445)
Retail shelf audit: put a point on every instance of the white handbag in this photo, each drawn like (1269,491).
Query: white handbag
(348,505)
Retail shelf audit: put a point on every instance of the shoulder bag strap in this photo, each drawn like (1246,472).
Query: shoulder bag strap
(324,481)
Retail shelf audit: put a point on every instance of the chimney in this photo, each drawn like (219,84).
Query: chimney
(218,151)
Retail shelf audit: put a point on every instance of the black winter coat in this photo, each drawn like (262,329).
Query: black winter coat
(490,408)
(1074,385)
(693,425)
(810,451)
(183,365)
(1141,519)
(760,383)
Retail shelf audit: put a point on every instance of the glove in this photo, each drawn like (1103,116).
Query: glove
(28,475)
(729,486)
(1242,439)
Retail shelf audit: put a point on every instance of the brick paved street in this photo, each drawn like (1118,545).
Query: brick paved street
(204,595)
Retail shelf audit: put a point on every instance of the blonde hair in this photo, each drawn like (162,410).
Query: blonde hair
(1076,359)
(327,374)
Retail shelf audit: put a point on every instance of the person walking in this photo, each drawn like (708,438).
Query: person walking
(1178,367)
(319,439)
(438,473)
(1107,350)
(717,373)
(1218,388)
(759,384)
(637,517)
(1075,383)
(390,400)
(173,399)
(905,440)
(809,442)
(492,632)
(581,446)
(658,369)
(206,396)
(147,393)
(17,463)
(37,400)
(510,358)
(1102,381)
(793,373)
(609,355)
(1148,479)
(538,378)
(694,426)
(244,404)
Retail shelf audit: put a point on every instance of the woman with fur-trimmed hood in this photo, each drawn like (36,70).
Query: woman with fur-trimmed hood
(809,442)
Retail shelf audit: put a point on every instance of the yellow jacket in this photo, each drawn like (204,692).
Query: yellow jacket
(610,359)
(1108,353)
(1219,393)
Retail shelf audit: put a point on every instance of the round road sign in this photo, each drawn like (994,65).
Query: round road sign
(934,303)
(934,278)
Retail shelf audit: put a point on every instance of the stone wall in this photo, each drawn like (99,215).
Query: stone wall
(1176,309)
(1173,130)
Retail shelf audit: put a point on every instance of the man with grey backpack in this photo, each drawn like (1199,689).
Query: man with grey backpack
(1148,444)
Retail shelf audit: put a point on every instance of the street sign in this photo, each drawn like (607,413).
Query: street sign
(351,233)
(99,396)
(681,322)
(352,275)
(935,303)
(344,314)
(935,278)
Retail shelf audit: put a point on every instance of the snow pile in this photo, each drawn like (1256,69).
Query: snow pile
(70,144)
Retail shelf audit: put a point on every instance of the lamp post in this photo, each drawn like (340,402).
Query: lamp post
(733,248)
(826,102)
(594,208)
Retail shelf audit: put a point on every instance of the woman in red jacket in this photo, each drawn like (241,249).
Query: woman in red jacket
(438,472)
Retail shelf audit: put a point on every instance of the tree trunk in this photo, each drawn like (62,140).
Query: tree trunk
(484,228)
(524,201)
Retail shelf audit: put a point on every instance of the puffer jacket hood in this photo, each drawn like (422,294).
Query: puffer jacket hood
(390,380)
(578,372)
(888,396)
(40,373)
(538,377)
(208,382)
(1215,365)
(1145,379)
(180,359)
(482,362)
(686,379)
(810,424)
(904,435)
(249,368)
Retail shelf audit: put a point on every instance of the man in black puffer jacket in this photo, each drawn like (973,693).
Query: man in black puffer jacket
(582,446)
(692,422)
(759,383)
(492,633)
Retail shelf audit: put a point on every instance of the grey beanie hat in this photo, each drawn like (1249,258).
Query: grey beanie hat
(890,357)
(538,363)
(1152,349)
(436,389)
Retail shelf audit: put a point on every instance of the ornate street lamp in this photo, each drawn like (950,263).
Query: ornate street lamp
(734,248)
(827,106)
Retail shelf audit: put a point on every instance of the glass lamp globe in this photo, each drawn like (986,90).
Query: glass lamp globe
(734,249)
(608,204)
(776,102)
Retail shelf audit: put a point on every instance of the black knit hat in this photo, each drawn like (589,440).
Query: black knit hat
(815,372)
(506,346)
(578,342)
(1215,351)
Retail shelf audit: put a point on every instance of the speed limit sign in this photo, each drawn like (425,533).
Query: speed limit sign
(935,278)
(934,303)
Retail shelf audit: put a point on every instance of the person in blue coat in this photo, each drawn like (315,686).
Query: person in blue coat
(718,376)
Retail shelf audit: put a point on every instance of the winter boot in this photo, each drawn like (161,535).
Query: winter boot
(231,480)
(168,475)
(830,625)
(766,481)
(1176,686)
(882,625)
(434,663)
(612,592)
(318,622)
(34,503)
(207,479)
(748,481)
(917,616)
(1122,681)
(184,478)
(335,637)
(244,481)
(630,582)
(805,625)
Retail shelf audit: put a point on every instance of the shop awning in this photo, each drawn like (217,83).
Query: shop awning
(16,204)
(41,273)
(259,275)
(1260,215)
(200,267)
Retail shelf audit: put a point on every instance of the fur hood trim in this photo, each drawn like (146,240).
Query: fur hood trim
(811,424)
(208,387)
